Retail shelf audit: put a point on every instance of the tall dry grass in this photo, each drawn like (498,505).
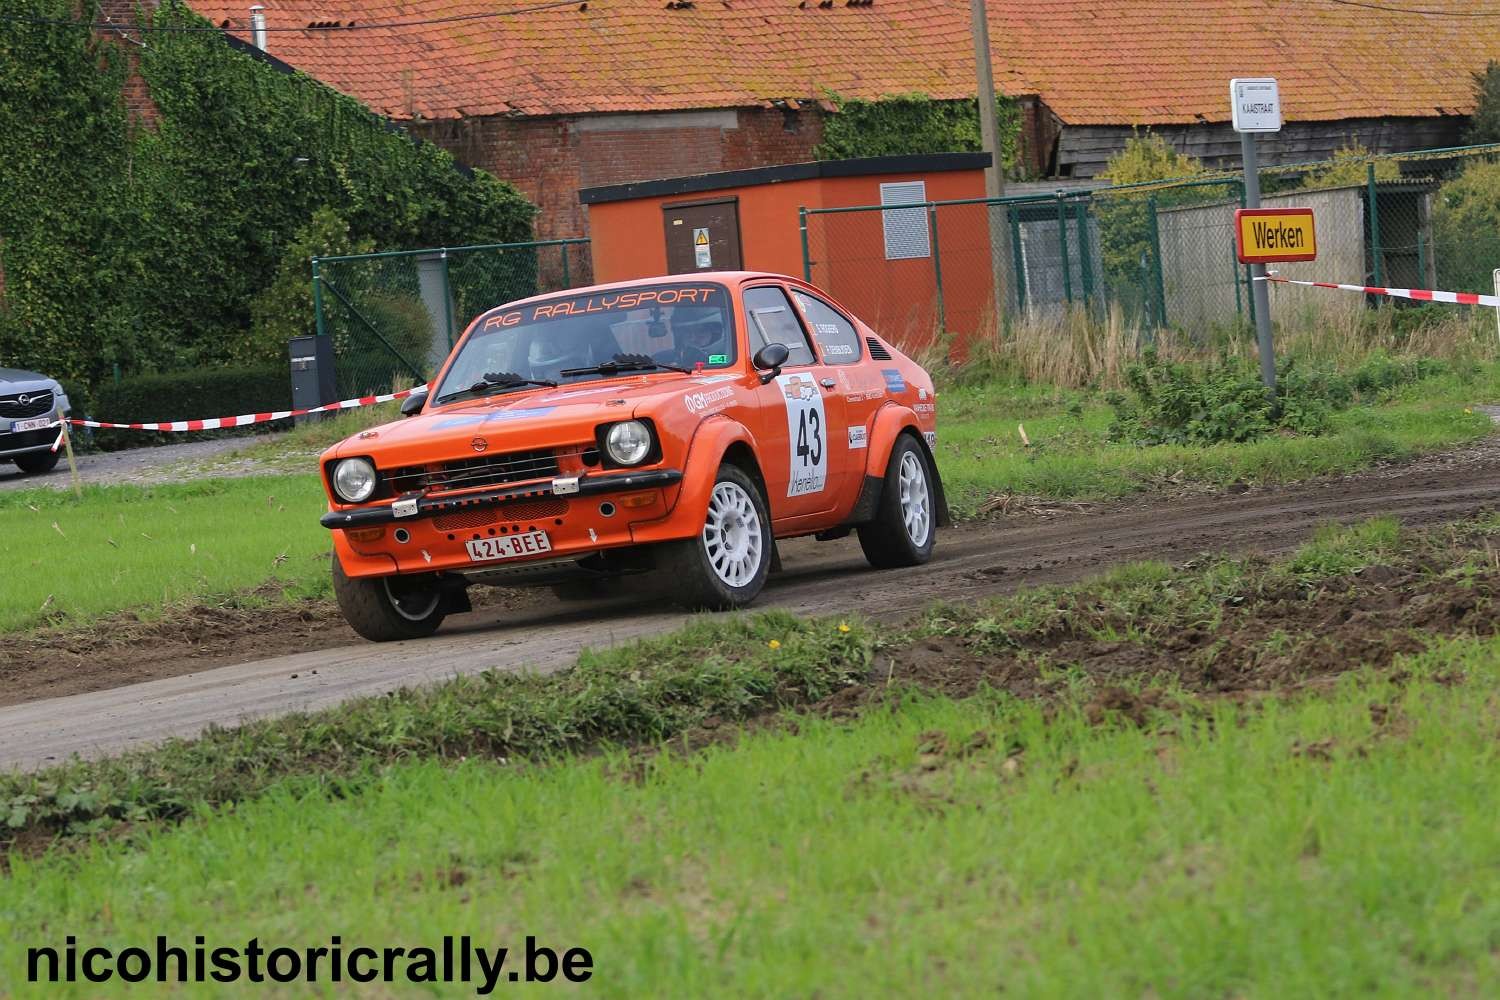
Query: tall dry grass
(1077,347)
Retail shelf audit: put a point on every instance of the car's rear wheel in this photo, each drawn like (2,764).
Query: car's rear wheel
(387,608)
(726,565)
(904,527)
(37,462)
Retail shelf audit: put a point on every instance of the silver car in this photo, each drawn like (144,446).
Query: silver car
(28,405)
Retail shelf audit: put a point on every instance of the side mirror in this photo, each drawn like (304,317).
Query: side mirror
(769,360)
(413,403)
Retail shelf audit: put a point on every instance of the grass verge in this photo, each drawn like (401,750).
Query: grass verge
(149,547)
(1067,455)
(1304,846)
(1226,626)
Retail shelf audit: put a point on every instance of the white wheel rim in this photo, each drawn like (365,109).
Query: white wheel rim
(916,509)
(732,535)
(412,603)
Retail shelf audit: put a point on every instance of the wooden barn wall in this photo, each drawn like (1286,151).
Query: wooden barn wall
(1083,150)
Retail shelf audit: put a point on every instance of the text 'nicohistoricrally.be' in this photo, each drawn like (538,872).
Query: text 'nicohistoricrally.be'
(454,960)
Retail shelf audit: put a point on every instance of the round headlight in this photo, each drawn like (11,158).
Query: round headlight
(354,479)
(628,443)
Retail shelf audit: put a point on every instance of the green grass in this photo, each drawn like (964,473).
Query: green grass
(1303,848)
(148,547)
(981,453)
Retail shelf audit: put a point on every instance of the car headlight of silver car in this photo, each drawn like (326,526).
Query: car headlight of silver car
(628,442)
(354,480)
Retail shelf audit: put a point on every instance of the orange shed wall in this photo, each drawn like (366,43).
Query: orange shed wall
(896,297)
(628,238)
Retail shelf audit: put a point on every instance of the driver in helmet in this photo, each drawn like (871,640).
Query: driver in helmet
(699,339)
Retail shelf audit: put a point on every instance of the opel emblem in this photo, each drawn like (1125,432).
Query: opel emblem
(23,399)
(479,444)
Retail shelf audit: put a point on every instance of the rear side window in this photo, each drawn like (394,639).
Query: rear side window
(770,320)
(837,341)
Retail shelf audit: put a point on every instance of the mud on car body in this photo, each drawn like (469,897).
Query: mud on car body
(677,426)
(28,404)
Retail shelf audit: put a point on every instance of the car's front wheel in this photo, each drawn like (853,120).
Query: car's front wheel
(726,565)
(387,608)
(37,462)
(905,526)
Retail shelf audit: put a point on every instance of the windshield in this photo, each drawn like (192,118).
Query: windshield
(678,325)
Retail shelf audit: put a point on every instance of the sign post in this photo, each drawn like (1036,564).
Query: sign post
(1256,108)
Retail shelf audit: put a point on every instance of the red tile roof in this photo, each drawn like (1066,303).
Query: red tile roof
(1092,61)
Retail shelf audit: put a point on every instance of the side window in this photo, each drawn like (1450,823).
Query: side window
(770,320)
(837,341)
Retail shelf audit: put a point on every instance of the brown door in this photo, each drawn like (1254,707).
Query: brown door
(703,236)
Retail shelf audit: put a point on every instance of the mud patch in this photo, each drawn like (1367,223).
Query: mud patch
(1277,637)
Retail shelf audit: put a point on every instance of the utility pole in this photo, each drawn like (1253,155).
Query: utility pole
(994,175)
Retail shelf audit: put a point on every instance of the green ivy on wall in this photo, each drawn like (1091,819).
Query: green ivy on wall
(908,124)
(148,246)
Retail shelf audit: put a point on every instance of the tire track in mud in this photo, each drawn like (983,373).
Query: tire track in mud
(972,561)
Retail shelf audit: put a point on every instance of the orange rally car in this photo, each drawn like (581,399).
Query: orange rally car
(678,425)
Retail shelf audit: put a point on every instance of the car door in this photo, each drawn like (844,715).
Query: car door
(799,414)
(859,391)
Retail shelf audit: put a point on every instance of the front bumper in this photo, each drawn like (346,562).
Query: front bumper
(12,443)
(428,507)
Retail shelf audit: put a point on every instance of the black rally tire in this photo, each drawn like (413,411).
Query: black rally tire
(887,540)
(385,609)
(37,462)
(686,569)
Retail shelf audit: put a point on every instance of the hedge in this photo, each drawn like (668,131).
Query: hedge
(193,395)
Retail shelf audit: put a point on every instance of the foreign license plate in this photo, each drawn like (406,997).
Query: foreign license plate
(527,543)
(34,424)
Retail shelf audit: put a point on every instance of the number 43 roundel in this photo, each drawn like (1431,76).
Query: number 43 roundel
(807,432)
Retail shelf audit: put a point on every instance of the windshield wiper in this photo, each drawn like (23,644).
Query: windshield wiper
(626,363)
(499,380)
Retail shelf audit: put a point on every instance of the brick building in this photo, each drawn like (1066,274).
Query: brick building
(602,92)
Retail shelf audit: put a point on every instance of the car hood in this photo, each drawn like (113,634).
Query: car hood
(20,376)
(526,420)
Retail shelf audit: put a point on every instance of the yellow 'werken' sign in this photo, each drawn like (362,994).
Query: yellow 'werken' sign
(1274,235)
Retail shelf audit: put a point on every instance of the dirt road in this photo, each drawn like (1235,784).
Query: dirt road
(972,561)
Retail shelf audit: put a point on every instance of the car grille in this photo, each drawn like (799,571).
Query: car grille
(521,510)
(37,403)
(475,473)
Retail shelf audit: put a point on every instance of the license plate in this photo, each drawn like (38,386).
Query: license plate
(527,543)
(35,424)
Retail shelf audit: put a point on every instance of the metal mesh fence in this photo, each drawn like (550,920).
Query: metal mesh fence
(395,316)
(1162,253)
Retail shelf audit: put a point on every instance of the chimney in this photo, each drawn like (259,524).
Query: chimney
(258,26)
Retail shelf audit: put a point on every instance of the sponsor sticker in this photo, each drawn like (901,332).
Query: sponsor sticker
(859,437)
(893,380)
(838,350)
(718,359)
(703,402)
(924,408)
(931,438)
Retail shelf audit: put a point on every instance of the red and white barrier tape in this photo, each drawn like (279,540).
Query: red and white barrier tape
(245,419)
(1416,294)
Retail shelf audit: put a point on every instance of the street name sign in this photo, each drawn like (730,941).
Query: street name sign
(1255,105)
(1275,235)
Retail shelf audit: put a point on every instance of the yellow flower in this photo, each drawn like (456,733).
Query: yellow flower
(774,644)
(843,626)
(1467,410)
